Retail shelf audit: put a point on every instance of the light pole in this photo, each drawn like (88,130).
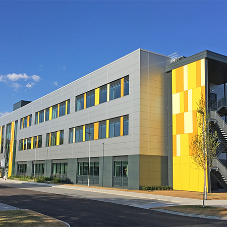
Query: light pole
(89,159)
(102,163)
(34,164)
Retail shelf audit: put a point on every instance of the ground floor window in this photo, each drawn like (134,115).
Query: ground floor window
(60,168)
(38,168)
(83,168)
(22,168)
(121,168)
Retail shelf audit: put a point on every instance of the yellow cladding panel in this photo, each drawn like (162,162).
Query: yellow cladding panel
(174,123)
(37,141)
(85,100)
(198,73)
(108,92)
(185,170)
(196,95)
(189,100)
(181,102)
(122,87)
(174,146)
(58,109)
(38,117)
(177,177)
(107,128)
(50,113)
(28,117)
(188,122)
(203,72)
(96,130)
(176,103)
(58,138)
(22,123)
(192,75)
(74,133)
(11,149)
(185,77)
(0,137)
(32,141)
(184,145)
(178,142)
(23,144)
(83,132)
(180,123)
(179,79)
(97,96)
(186,101)
(173,81)
(49,139)
(121,126)
(66,107)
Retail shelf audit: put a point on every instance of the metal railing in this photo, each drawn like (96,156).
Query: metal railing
(216,105)
(222,124)
(222,169)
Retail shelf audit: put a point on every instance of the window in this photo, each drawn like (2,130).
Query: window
(114,127)
(36,118)
(29,143)
(102,129)
(20,145)
(41,116)
(60,168)
(115,89)
(121,168)
(22,168)
(35,142)
(83,168)
(125,125)
(25,122)
(79,134)
(2,143)
(30,120)
(55,112)
(47,114)
(38,168)
(90,98)
(71,135)
(126,85)
(62,109)
(39,141)
(47,139)
(80,102)
(89,129)
(61,137)
(103,94)
(68,107)
(53,138)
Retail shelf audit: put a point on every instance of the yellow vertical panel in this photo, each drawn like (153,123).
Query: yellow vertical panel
(122,87)
(196,95)
(84,132)
(203,72)
(194,119)
(192,75)
(97,96)
(32,141)
(188,122)
(11,150)
(23,144)
(50,113)
(37,142)
(107,128)
(74,134)
(173,81)
(38,117)
(180,123)
(49,139)
(22,123)
(184,145)
(85,100)
(121,126)
(176,103)
(28,121)
(0,137)
(58,109)
(58,138)
(178,142)
(189,100)
(66,107)
(174,121)
(181,102)
(174,146)
(185,183)
(108,92)
(179,79)
(26,141)
(198,73)
(177,176)
(186,101)
(96,130)
(185,77)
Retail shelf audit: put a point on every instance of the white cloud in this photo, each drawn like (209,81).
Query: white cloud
(36,78)
(15,85)
(2,79)
(15,77)
(30,85)
(56,83)
(3,114)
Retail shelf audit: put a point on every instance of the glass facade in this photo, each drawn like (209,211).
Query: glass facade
(126,85)
(79,134)
(89,129)
(59,168)
(90,98)
(22,168)
(115,89)
(114,128)
(2,139)
(38,169)
(26,122)
(102,129)
(103,94)
(121,169)
(83,168)
(125,125)
(30,143)
(80,102)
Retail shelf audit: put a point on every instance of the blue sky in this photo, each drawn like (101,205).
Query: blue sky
(47,44)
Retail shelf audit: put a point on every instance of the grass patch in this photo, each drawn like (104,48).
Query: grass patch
(25,218)
(197,209)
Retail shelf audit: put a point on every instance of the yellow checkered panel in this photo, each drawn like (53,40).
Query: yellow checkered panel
(188,83)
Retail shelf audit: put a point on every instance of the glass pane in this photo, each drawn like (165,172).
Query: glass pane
(117,128)
(47,115)
(125,168)
(85,169)
(118,90)
(93,99)
(36,118)
(61,137)
(117,169)
(47,140)
(78,104)
(111,129)
(126,86)
(58,168)
(92,168)
(125,126)
(68,107)
(66,168)
(77,135)
(88,100)
(81,135)
(54,168)
(80,169)
(112,92)
(96,169)
(71,135)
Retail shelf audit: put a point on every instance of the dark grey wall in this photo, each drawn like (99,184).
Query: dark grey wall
(108,172)
(29,168)
(48,168)
(72,170)
(133,172)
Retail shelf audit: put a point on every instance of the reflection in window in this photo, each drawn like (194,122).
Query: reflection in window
(103,94)
(90,99)
(80,102)
(121,168)
(47,114)
(79,134)
(114,127)
(126,85)
(83,168)
(61,137)
(41,116)
(89,129)
(125,125)
(55,112)
(71,135)
(115,89)
(102,129)
(62,109)
(60,168)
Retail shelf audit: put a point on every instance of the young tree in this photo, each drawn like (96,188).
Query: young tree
(204,143)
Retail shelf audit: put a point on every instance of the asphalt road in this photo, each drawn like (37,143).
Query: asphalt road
(85,212)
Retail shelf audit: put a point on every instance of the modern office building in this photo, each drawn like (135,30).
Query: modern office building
(133,120)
